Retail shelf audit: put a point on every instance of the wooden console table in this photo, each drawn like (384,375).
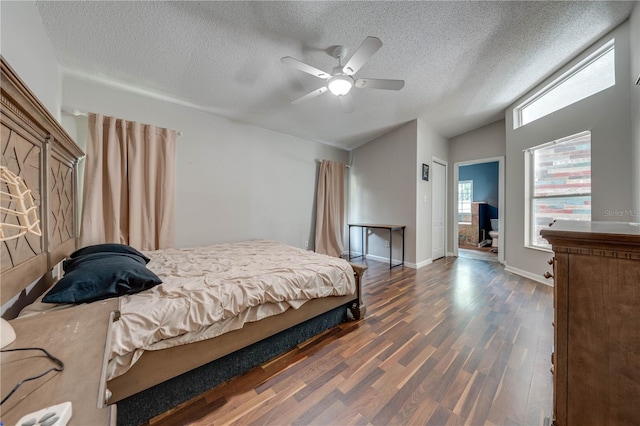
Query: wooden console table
(79,337)
(391,228)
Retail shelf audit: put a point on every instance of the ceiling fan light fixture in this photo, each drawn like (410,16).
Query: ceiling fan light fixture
(341,79)
(340,84)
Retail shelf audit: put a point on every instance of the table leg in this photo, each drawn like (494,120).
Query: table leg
(402,246)
(390,248)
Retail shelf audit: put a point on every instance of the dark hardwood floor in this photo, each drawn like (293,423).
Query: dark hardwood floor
(457,342)
(478,253)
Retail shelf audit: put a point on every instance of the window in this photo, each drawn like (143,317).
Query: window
(465,196)
(558,184)
(594,74)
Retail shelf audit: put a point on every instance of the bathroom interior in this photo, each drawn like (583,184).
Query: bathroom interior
(478,232)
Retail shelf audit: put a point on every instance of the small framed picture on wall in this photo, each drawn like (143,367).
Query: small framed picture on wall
(425,172)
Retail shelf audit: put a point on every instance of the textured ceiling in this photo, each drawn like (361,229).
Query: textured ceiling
(462,62)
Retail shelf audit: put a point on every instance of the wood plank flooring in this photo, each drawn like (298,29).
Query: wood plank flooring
(478,253)
(458,342)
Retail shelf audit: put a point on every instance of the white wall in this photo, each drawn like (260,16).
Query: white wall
(635,103)
(383,190)
(485,142)
(429,145)
(607,116)
(234,181)
(25,45)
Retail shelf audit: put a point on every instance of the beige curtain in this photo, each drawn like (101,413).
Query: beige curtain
(129,184)
(330,209)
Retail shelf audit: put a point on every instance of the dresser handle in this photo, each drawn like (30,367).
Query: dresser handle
(107,396)
(550,261)
(547,275)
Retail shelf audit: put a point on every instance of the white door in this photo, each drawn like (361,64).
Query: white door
(438,213)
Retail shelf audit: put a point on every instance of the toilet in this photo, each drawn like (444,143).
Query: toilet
(493,234)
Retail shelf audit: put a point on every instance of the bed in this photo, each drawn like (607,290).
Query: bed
(205,293)
(38,151)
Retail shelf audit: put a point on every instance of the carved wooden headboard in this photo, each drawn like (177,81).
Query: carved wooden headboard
(37,149)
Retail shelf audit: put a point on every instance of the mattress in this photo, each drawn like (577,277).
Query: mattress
(208,291)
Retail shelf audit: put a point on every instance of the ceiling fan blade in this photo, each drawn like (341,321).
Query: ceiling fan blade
(375,83)
(304,67)
(310,95)
(369,46)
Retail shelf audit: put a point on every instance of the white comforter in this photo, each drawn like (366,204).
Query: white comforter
(207,291)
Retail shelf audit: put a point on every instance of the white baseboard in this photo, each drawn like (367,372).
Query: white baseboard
(450,254)
(345,253)
(382,259)
(395,261)
(527,274)
(424,263)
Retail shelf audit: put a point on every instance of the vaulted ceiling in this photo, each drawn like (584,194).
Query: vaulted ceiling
(463,63)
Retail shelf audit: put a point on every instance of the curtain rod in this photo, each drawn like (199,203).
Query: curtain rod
(76,112)
(346,165)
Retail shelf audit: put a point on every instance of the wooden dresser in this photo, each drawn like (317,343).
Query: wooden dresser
(597,322)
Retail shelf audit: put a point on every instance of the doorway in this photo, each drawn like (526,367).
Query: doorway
(478,215)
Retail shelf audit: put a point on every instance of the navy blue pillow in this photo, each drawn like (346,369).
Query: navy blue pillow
(108,248)
(99,276)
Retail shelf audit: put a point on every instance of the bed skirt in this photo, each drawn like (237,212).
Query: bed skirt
(149,403)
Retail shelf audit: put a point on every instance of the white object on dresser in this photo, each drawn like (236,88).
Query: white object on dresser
(56,415)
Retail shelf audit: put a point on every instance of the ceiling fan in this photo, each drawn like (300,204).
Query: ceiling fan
(341,80)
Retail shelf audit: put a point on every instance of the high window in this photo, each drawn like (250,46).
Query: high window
(465,196)
(558,184)
(592,75)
